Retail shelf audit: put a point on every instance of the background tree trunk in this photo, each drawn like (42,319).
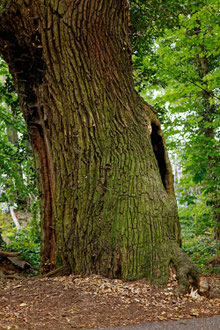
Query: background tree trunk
(209,112)
(108,201)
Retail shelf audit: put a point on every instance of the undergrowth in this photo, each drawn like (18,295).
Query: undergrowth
(26,240)
(202,250)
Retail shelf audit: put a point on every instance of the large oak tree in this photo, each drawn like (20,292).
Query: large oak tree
(108,204)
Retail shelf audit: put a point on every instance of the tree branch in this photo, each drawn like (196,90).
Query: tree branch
(14,218)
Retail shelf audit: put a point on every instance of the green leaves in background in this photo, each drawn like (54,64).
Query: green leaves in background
(183,54)
(17,175)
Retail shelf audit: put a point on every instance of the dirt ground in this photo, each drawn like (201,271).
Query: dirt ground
(95,302)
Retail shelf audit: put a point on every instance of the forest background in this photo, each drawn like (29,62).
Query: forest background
(176,70)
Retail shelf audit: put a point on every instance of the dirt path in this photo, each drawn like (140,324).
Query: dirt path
(96,302)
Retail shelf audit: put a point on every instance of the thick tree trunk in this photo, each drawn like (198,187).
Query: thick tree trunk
(106,180)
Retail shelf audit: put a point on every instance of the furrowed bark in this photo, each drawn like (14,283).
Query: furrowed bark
(106,178)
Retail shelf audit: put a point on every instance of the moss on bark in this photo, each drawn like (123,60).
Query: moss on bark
(108,208)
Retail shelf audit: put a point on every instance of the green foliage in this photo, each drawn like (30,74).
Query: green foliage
(17,175)
(197,223)
(196,215)
(30,251)
(34,225)
(149,19)
(201,249)
(184,55)
(26,240)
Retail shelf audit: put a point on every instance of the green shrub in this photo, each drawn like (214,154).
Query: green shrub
(30,251)
(201,249)
(26,240)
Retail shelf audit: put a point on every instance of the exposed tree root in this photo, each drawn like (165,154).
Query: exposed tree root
(61,271)
(9,254)
(8,276)
(186,272)
(11,266)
